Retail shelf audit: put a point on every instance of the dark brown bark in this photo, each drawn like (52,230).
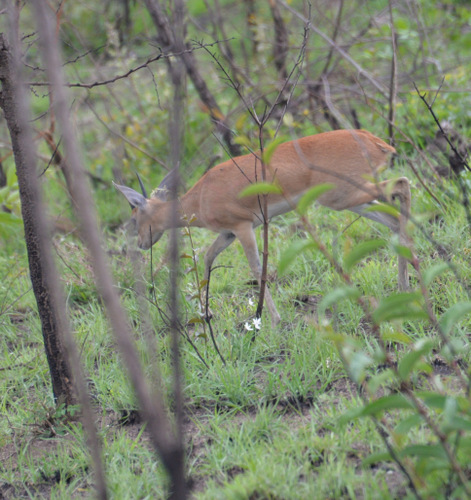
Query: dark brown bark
(167,40)
(280,48)
(3,176)
(60,348)
(251,17)
(35,226)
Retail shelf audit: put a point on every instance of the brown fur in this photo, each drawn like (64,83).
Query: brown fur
(349,159)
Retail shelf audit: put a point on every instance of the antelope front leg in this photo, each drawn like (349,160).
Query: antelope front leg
(220,244)
(246,236)
(402,191)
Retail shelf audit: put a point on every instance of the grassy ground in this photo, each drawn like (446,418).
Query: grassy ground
(264,426)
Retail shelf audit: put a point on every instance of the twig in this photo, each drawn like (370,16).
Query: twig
(437,121)
(207,318)
(51,159)
(459,179)
(334,37)
(103,82)
(124,75)
(393,81)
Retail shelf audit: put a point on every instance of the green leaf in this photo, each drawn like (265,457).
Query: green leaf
(195,320)
(403,251)
(451,420)
(270,149)
(392,402)
(396,336)
(10,219)
(457,424)
(382,378)
(360,250)
(260,188)
(408,423)
(406,305)
(292,252)
(337,295)
(434,271)
(374,458)
(424,451)
(454,315)
(350,415)
(384,208)
(439,401)
(409,361)
(433,400)
(430,465)
(4,192)
(451,408)
(310,196)
(243,140)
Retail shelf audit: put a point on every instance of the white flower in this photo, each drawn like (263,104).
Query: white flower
(257,323)
(248,327)
(251,302)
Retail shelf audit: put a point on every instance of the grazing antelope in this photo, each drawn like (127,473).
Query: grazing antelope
(348,159)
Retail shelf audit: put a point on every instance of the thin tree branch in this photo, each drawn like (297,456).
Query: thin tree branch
(153,409)
(124,75)
(392,81)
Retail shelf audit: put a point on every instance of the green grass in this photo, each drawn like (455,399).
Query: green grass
(265,425)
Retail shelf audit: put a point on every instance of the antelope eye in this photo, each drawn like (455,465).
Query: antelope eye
(131,225)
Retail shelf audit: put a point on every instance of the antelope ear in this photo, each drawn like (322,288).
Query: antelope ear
(166,186)
(135,199)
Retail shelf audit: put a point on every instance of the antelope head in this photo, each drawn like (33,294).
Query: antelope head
(150,216)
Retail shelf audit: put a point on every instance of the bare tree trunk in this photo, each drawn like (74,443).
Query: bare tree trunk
(280,48)
(35,224)
(251,18)
(153,410)
(61,351)
(393,83)
(3,176)
(176,131)
(166,38)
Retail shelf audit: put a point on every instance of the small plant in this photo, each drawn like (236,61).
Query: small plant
(10,207)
